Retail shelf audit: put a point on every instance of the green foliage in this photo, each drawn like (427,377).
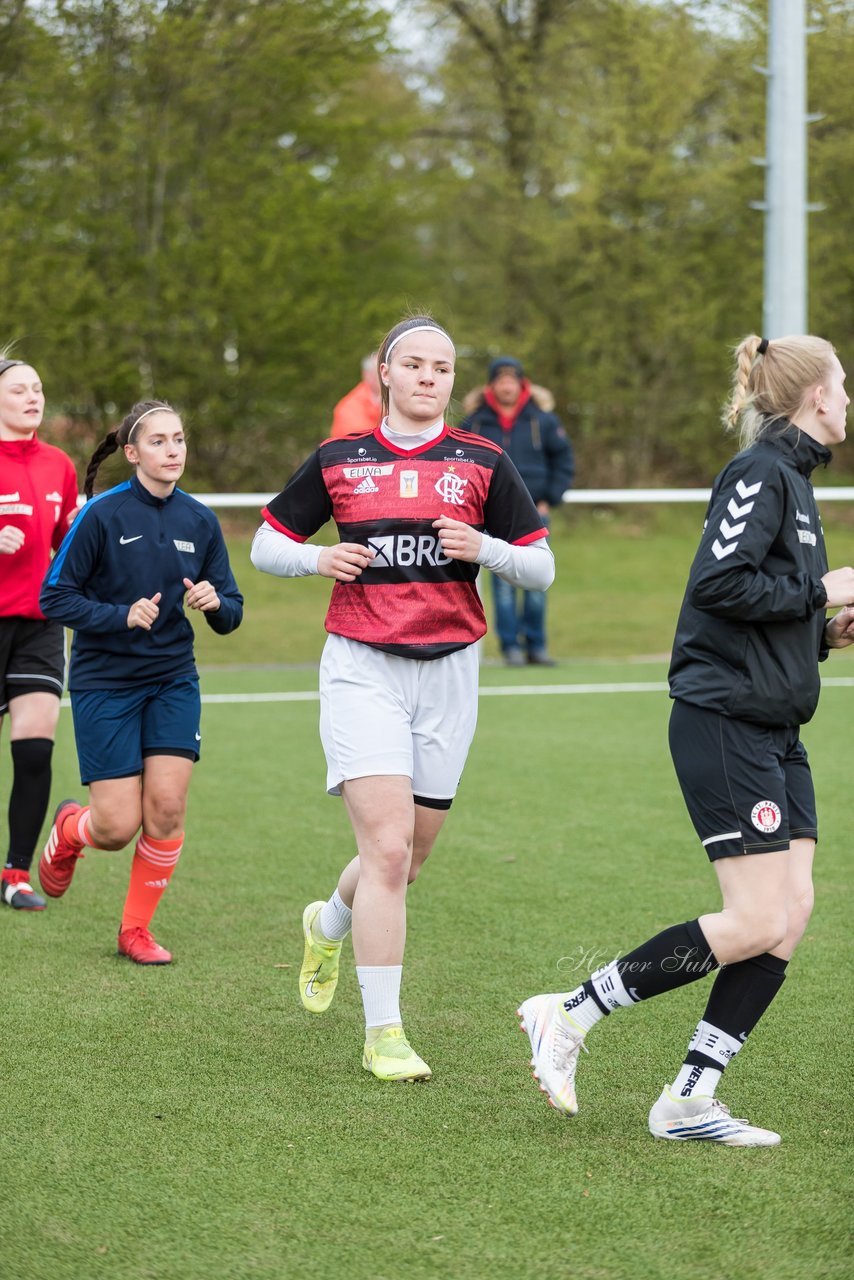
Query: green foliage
(227,204)
(831,176)
(216,189)
(598,204)
(624,257)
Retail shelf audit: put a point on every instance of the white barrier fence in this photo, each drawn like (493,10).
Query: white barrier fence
(589,497)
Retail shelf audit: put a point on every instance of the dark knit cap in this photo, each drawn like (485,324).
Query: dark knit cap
(503,364)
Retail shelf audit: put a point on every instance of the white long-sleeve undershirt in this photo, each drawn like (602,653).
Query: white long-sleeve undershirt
(532,567)
(276,553)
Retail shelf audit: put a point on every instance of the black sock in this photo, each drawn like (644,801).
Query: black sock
(30,796)
(671,959)
(740,995)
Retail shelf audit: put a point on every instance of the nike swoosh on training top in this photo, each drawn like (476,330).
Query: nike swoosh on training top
(124,541)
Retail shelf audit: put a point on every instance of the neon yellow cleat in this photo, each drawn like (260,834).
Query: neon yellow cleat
(318,976)
(392,1057)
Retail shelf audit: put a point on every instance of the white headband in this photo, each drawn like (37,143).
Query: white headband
(416,328)
(158,408)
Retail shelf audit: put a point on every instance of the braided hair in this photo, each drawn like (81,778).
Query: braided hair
(771,379)
(122,435)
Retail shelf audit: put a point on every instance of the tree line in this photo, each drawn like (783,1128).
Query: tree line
(226,204)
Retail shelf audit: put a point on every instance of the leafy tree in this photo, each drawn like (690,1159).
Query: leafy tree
(831,176)
(609,240)
(228,203)
(219,215)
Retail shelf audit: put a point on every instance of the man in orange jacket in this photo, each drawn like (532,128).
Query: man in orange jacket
(360,409)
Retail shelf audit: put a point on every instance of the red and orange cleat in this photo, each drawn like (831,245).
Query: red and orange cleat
(59,859)
(138,945)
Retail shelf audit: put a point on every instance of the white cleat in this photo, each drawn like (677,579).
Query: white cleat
(706,1119)
(555,1042)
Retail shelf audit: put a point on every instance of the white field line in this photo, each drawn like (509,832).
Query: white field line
(495,691)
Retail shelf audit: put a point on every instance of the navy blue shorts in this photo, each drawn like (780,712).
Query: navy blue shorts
(115,729)
(748,788)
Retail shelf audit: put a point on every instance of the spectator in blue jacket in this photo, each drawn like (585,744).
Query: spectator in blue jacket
(133,560)
(518,416)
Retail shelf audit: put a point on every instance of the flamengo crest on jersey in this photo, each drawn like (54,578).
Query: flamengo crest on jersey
(738,512)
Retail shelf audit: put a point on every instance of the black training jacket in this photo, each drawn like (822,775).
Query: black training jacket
(750,633)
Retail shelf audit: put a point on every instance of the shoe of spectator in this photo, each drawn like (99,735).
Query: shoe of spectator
(539,658)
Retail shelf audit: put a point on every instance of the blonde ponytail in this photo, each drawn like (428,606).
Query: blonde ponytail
(770,381)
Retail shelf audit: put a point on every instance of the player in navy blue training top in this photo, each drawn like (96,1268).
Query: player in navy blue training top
(419,506)
(744,678)
(135,556)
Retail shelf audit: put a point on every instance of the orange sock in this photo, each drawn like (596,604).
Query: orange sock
(77,829)
(150,872)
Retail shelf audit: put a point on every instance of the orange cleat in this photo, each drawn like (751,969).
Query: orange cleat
(138,945)
(59,860)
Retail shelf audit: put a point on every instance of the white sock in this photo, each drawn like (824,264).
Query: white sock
(703,1078)
(380,986)
(713,1043)
(335,919)
(696,1080)
(582,1008)
(608,985)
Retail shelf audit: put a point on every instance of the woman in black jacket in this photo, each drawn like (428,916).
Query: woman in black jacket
(744,678)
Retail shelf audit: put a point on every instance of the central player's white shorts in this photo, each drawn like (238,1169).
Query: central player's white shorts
(382,715)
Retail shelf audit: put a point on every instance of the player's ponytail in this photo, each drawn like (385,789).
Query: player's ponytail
(770,380)
(122,435)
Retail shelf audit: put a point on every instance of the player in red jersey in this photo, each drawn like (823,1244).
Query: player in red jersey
(419,506)
(38,501)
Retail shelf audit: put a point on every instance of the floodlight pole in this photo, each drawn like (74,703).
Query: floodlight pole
(784,308)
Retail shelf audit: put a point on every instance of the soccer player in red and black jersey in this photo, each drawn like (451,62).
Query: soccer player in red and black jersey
(38,500)
(419,507)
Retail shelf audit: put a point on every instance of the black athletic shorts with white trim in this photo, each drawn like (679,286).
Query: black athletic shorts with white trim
(748,788)
(32,658)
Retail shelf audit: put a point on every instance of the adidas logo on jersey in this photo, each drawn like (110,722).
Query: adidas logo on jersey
(368,485)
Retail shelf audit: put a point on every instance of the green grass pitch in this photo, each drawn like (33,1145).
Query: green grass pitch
(195,1123)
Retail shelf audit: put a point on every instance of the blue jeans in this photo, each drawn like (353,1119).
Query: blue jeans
(520,623)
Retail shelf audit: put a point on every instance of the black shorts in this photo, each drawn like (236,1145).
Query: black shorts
(32,658)
(748,789)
